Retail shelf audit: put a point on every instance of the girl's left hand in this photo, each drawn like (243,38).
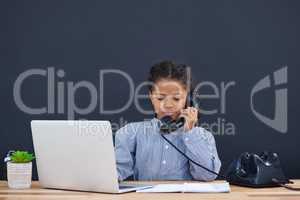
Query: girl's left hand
(191,117)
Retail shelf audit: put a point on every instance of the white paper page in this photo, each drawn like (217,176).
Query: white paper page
(189,187)
(206,187)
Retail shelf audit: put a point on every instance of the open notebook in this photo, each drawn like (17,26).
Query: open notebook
(189,187)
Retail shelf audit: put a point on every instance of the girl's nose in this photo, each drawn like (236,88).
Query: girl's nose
(168,104)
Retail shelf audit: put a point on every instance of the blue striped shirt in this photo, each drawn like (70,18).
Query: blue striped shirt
(141,152)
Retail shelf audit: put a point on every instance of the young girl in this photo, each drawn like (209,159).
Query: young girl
(142,152)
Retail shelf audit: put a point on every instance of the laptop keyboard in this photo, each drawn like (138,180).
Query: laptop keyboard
(126,186)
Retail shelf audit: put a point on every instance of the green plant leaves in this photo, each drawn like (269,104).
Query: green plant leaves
(21,157)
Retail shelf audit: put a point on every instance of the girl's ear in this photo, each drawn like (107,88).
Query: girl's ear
(150,95)
(151,99)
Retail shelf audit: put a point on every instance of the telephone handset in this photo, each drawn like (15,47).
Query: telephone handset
(169,125)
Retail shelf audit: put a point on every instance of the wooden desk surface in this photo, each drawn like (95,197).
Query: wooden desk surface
(240,193)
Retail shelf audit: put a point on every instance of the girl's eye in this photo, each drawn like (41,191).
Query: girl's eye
(160,98)
(176,99)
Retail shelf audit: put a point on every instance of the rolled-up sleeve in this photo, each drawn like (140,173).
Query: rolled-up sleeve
(201,148)
(125,145)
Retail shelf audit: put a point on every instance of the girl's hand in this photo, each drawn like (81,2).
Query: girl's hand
(191,117)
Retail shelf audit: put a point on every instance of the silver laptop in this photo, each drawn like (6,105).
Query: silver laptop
(77,155)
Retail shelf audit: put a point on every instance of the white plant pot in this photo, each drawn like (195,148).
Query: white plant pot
(19,175)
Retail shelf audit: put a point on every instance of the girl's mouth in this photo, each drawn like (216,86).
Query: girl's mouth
(169,113)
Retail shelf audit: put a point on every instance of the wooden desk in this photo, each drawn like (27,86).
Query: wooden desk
(239,193)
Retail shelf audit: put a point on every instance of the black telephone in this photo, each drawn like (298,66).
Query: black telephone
(256,170)
(169,125)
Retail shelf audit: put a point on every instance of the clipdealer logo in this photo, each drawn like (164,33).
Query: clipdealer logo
(58,89)
(280,78)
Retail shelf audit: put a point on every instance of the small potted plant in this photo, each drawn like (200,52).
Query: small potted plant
(19,169)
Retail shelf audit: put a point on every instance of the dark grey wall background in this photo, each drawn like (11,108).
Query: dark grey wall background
(240,41)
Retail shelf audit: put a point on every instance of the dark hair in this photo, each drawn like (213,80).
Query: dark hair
(170,70)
